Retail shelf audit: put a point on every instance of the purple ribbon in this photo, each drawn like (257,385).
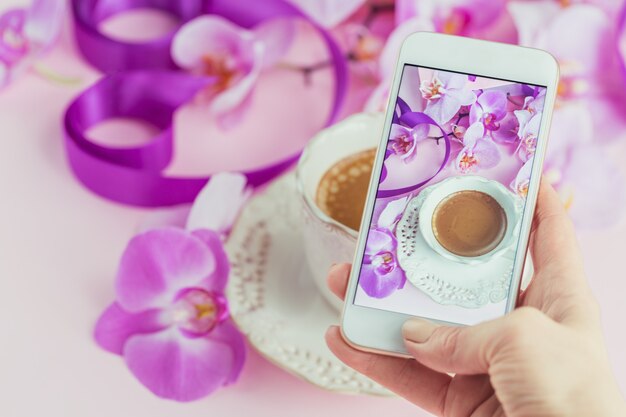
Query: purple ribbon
(412,119)
(110,55)
(146,91)
(621,29)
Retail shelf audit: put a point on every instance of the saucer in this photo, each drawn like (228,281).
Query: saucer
(449,282)
(272,295)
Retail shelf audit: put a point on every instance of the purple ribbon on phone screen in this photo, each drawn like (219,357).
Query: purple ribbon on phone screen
(144,85)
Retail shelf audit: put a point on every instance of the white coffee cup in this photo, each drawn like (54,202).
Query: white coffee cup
(325,240)
(512,205)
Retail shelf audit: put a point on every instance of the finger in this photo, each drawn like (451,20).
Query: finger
(469,350)
(338,279)
(559,286)
(406,377)
(553,240)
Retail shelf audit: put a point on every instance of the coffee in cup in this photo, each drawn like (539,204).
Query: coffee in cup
(469,223)
(343,188)
(469,218)
(329,235)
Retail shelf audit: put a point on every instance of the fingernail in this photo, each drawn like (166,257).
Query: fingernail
(331,329)
(417,330)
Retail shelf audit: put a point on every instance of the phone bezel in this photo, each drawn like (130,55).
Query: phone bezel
(375,330)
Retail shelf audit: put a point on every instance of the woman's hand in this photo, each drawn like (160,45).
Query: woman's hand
(546,358)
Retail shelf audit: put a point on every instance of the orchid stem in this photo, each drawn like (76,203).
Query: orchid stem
(52,76)
(461,115)
(510,99)
(438,138)
(307,70)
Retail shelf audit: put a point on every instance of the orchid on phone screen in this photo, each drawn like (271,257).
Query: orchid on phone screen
(528,132)
(27,34)
(381,274)
(391,213)
(489,109)
(522,180)
(445,94)
(403,140)
(215,47)
(478,152)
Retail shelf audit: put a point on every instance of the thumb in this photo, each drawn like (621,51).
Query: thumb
(468,350)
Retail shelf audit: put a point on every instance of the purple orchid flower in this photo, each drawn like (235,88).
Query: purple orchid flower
(213,46)
(478,152)
(455,17)
(26,34)
(381,274)
(445,93)
(170,321)
(403,141)
(489,109)
(508,131)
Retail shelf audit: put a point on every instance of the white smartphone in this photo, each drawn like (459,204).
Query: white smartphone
(446,223)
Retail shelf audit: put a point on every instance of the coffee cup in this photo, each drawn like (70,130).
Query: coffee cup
(325,240)
(509,204)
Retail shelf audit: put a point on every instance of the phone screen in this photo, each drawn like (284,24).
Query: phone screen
(447,217)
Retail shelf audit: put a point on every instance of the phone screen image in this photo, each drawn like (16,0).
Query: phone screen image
(446,222)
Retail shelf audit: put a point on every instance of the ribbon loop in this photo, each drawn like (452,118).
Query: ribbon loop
(110,55)
(134,175)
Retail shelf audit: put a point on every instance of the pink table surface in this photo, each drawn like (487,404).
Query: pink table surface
(60,244)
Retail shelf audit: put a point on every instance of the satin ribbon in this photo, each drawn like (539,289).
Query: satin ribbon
(134,176)
(621,30)
(412,119)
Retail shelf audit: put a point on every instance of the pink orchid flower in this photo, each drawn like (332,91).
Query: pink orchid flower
(234,56)
(328,13)
(522,179)
(381,275)
(589,59)
(489,109)
(170,319)
(27,34)
(392,212)
(528,132)
(217,205)
(403,141)
(445,94)
(455,17)
(478,152)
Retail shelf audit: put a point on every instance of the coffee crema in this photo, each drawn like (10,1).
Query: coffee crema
(343,188)
(469,223)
